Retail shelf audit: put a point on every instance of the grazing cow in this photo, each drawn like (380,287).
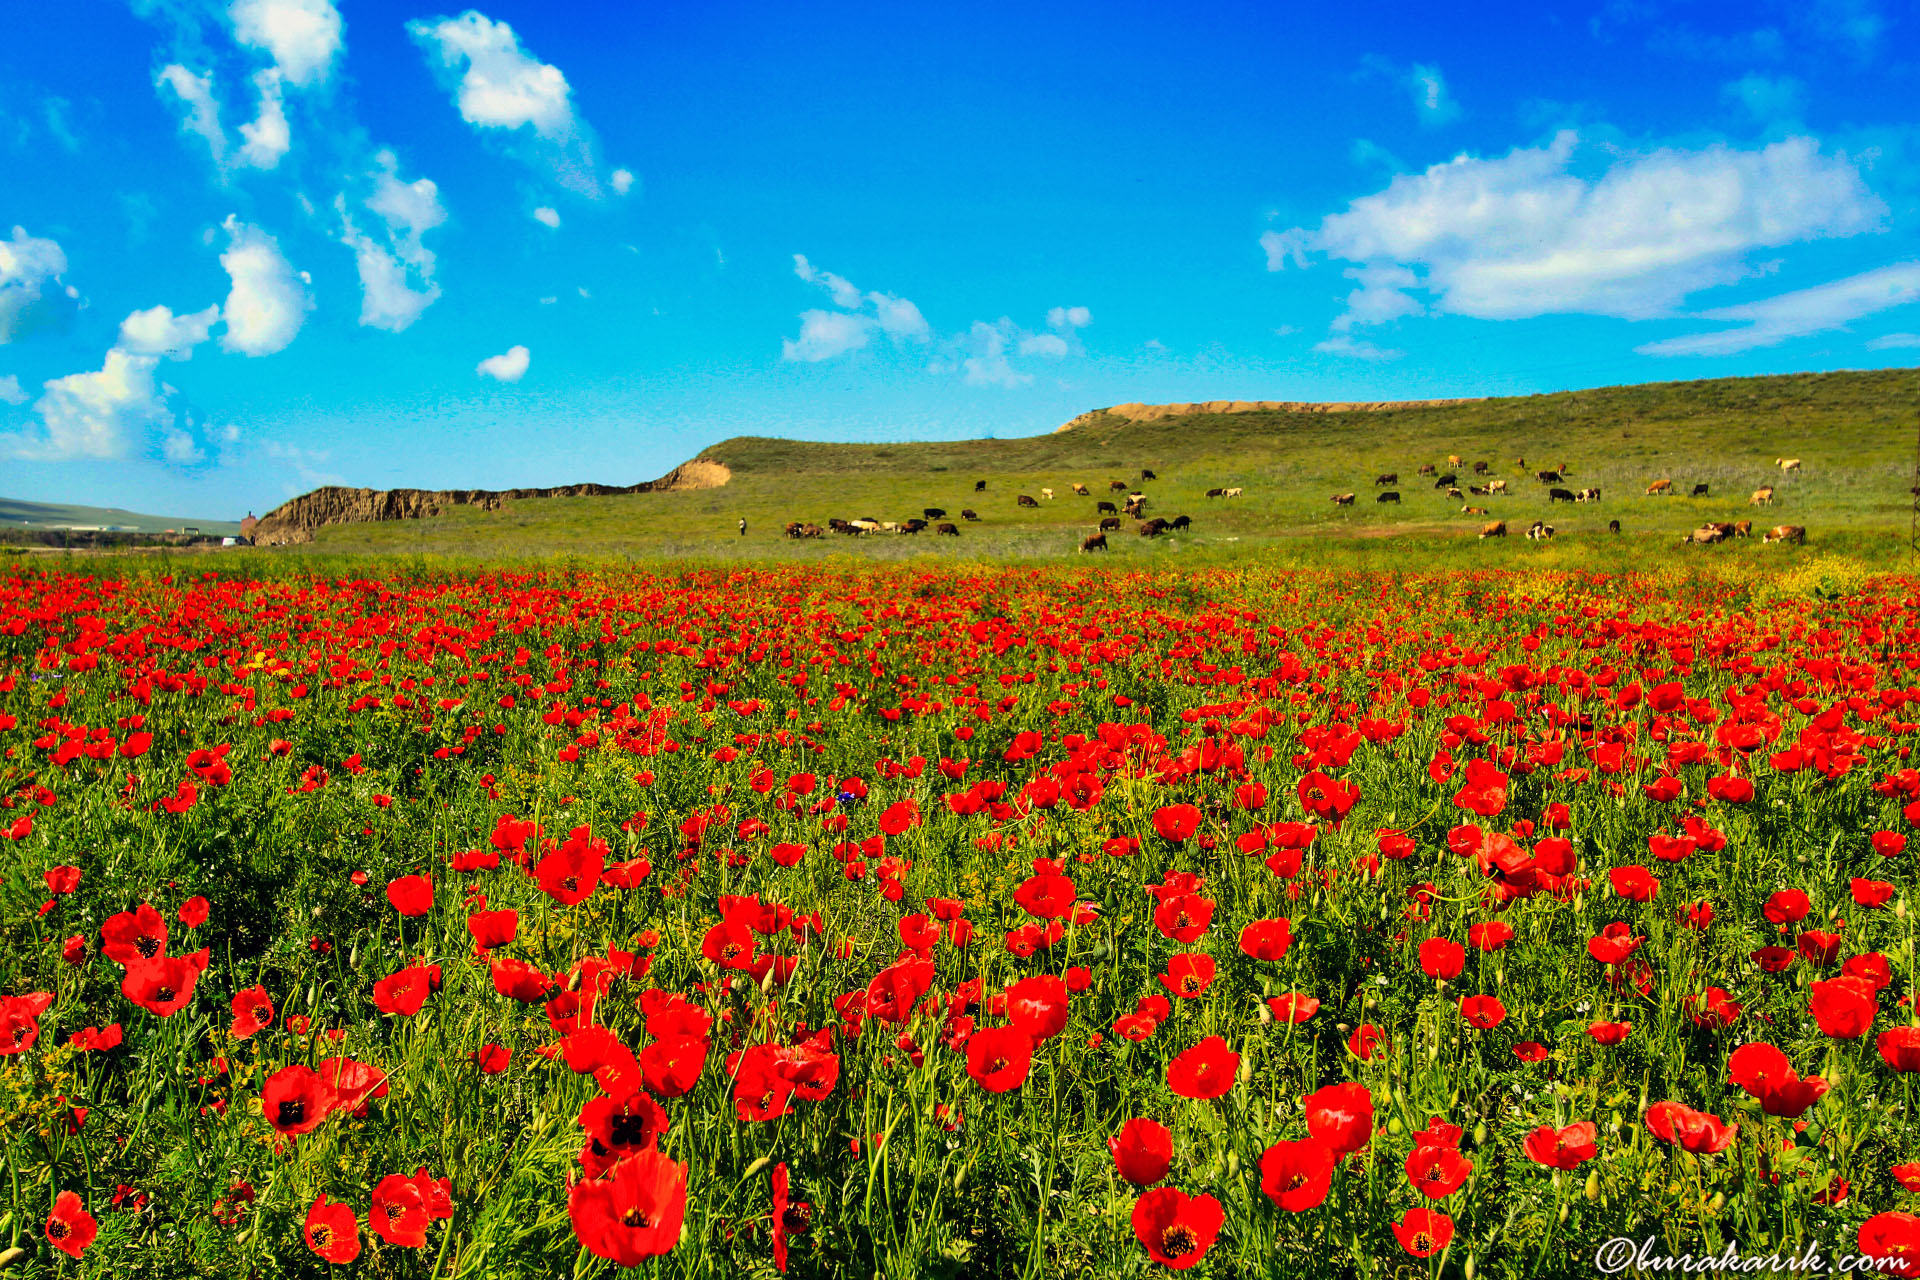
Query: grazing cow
(1389,496)
(912,526)
(1788,464)
(1473,511)
(969,513)
(1540,532)
(888,526)
(1146,473)
(1234,492)
(1660,487)
(1047,494)
(1700,491)
(1743,528)
(1109,524)
(1762,497)
(1479,468)
(1386,478)
(1025,501)
(811,531)
(1547,477)
(979,486)
(1153,528)
(1454,495)
(1478,490)
(1180,522)
(1498,529)
(1446,481)
(1559,495)
(1105,509)
(1613,526)
(933,513)
(864,526)
(1094,542)
(1428,469)
(1496,486)
(840,526)
(1216,493)
(1785,533)
(949,530)
(1587,495)
(1136,498)
(1705,536)
(1117,486)
(1080,489)
(1342,499)
(1453,459)
(793,529)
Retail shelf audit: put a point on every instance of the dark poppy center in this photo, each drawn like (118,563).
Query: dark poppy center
(163,995)
(1297,1181)
(322,1236)
(1422,1242)
(628,1131)
(636,1217)
(292,1111)
(570,883)
(147,946)
(1178,1240)
(999,1064)
(1190,986)
(263,1013)
(56,1229)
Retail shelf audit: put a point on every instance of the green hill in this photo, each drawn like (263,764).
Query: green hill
(1855,433)
(48,515)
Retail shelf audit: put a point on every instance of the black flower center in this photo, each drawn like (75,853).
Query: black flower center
(628,1131)
(322,1235)
(292,1111)
(636,1217)
(1178,1240)
(147,945)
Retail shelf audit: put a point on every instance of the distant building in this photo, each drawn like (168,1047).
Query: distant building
(246,526)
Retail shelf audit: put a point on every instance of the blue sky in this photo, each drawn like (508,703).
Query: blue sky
(263,245)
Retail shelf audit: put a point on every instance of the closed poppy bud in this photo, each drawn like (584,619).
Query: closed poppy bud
(1442,959)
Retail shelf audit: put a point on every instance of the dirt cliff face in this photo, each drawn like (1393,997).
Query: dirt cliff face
(1149,412)
(294,521)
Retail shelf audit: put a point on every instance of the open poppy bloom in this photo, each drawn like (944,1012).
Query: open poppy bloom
(164,985)
(1844,1007)
(1437,1171)
(999,1058)
(1177,1229)
(1142,1151)
(1700,1132)
(1893,1241)
(296,1099)
(411,895)
(1340,1116)
(70,1228)
(635,1212)
(252,1012)
(1483,1012)
(1267,940)
(1764,1072)
(1205,1071)
(1423,1232)
(1442,959)
(1566,1148)
(332,1230)
(1188,974)
(20,1020)
(1297,1175)
(403,1208)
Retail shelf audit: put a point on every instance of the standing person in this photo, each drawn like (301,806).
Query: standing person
(743,526)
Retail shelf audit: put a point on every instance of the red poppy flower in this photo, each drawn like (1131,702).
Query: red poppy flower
(492,1059)
(1844,1007)
(492,929)
(252,1012)
(1176,822)
(1184,917)
(1530,1051)
(898,987)
(1889,844)
(999,1058)
(1608,1034)
(403,993)
(1893,1240)
(333,1231)
(635,1212)
(1730,790)
(1297,1175)
(1037,1006)
(1900,1048)
(1697,1131)
(403,1208)
(1176,1229)
(672,1065)
(411,895)
(1490,936)
(788,1217)
(1188,974)
(133,936)
(1046,897)
(1367,1042)
(1635,884)
(1423,1232)
(1267,940)
(1483,1012)
(1765,1072)
(571,872)
(164,985)
(1907,1175)
(352,1083)
(1142,1151)
(1566,1148)
(20,1020)
(1788,906)
(518,980)
(61,880)
(70,1228)
(1293,1007)
(1870,893)
(1205,1071)
(1340,1116)
(1442,959)
(1437,1172)
(296,1099)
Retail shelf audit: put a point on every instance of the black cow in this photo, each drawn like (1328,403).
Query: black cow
(1700,491)
(1180,522)
(1446,481)
(1109,524)
(1548,477)
(950,530)
(1559,495)
(1146,474)
(969,514)
(1613,526)
(1105,509)
(1388,496)
(979,486)
(1025,501)
(934,513)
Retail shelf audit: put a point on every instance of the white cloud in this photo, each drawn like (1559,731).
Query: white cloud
(622,180)
(899,318)
(1051,345)
(1430,97)
(547,217)
(1525,235)
(1885,342)
(844,292)
(826,334)
(28,266)
(1064,318)
(302,36)
(1345,344)
(93,415)
(1774,320)
(1766,98)
(195,93)
(180,448)
(268,137)
(986,363)
(158,332)
(267,304)
(10,392)
(509,366)
(396,277)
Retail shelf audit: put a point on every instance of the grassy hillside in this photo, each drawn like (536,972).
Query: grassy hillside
(50,515)
(1855,432)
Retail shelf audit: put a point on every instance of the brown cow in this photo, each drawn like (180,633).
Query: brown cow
(1024,501)
(1762,497)
(1386,478)
(1080,489)
(1743,528)
(1473,511)
(1660,487)
(1785,533)
(1105,509)
(1153,528)
(1479,468)
(1094,542)
(1110,524)
(950,530)
(1428,469)
(1342,499)
(1705,536)
(969,514)
(1498,529)
(1118,486)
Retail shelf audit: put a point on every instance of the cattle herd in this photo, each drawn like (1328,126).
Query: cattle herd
(1109,512)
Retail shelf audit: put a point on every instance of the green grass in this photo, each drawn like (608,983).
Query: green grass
(53,515)
(1855,432)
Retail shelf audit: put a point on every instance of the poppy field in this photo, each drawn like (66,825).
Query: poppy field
(996,922)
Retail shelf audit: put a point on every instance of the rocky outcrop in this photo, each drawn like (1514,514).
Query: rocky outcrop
(295,520)
(1149,412)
